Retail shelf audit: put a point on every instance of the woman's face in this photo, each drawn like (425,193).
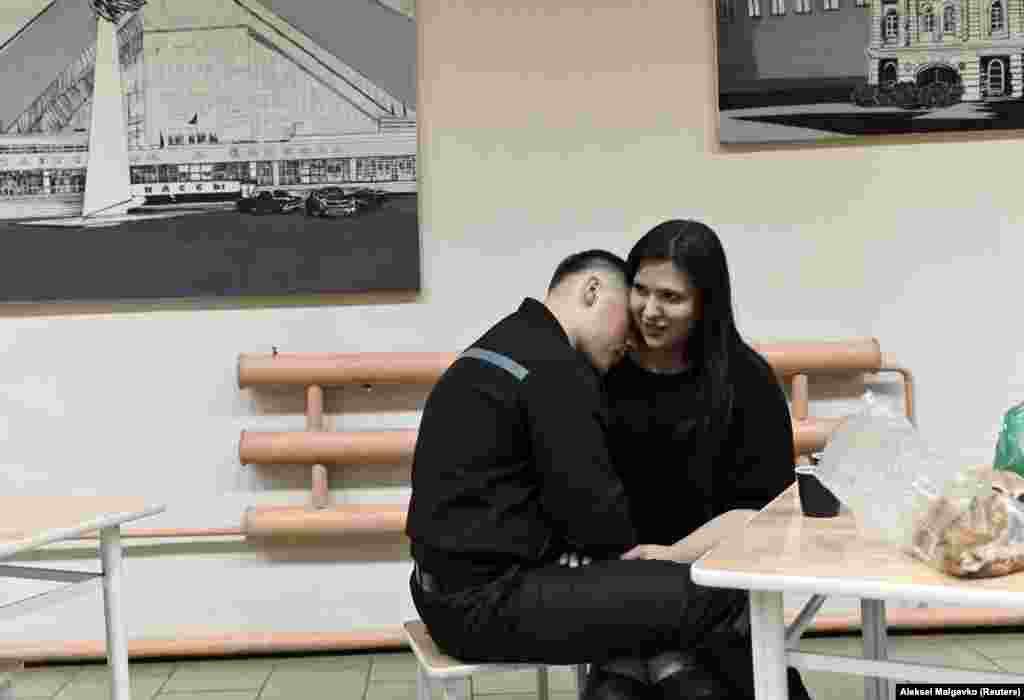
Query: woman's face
(664,305)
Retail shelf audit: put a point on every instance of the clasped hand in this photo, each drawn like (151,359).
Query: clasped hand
(641,551)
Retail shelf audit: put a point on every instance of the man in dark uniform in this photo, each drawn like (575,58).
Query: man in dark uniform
(511,470)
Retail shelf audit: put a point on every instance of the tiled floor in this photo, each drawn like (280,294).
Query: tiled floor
(391,676)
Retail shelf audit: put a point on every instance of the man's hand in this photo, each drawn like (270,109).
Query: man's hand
(573,559)
(651,551)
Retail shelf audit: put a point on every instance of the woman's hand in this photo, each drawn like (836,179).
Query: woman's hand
(697,543)
(650,551)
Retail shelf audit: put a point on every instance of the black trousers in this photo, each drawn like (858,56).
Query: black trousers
(555,614)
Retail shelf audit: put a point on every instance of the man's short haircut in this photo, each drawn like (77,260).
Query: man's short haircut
(590,260)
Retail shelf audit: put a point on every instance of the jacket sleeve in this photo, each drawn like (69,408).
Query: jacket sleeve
(758,454)
(581,494)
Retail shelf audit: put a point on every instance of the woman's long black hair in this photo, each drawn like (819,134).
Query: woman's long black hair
(714,341)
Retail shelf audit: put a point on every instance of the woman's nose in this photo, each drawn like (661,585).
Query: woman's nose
(651,309)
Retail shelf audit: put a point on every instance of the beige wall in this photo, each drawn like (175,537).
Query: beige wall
(546,127)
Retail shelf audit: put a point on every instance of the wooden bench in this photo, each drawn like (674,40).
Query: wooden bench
(793,362)
(438,670)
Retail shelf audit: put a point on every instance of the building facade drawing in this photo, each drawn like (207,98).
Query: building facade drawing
(224,91)
(977,43)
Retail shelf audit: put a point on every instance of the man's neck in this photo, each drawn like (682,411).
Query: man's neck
(564,317)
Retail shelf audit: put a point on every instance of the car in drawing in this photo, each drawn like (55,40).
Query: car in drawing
(327,201)
(368,199)
(269,202)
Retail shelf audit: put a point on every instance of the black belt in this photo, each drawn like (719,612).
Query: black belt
(429,583)
(458,581)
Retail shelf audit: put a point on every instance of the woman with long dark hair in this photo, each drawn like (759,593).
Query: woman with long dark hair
(701,436)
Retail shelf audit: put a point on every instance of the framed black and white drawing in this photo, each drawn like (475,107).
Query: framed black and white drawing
(825,70)
(247,148)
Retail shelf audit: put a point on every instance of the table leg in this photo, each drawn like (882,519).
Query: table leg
(872,614)
(117,644)
(768,636)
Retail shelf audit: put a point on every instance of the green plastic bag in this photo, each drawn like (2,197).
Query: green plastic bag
(1010,448)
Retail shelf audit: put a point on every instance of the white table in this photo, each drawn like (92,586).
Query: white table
(781,551)
(30,522)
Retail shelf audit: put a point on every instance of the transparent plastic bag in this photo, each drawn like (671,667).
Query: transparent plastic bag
(877,464)
(979,536)
(967,522)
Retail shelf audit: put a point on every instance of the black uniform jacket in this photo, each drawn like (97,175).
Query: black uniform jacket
(512,460)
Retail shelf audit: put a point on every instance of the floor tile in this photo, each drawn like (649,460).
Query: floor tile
(101,672)
(42,682)
(823,685)
(211,695)
(394,691)
(846,646)
(524,681)
(937,651)
(397,691)
(229,674)
(142,688)
(314,684)
(533,696)
(560,679)
(153,668)
(393,668)
(994,646)
(392,676)
(926,649)
(407,691)
(1010,664)
(344,662)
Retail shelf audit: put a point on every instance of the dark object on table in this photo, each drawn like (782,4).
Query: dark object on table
(816,500)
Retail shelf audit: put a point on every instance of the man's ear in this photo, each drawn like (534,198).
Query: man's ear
(591,288)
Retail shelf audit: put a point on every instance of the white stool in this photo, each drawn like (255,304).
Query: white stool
(452,675)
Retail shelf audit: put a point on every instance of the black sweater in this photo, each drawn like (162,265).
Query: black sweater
(653,434)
